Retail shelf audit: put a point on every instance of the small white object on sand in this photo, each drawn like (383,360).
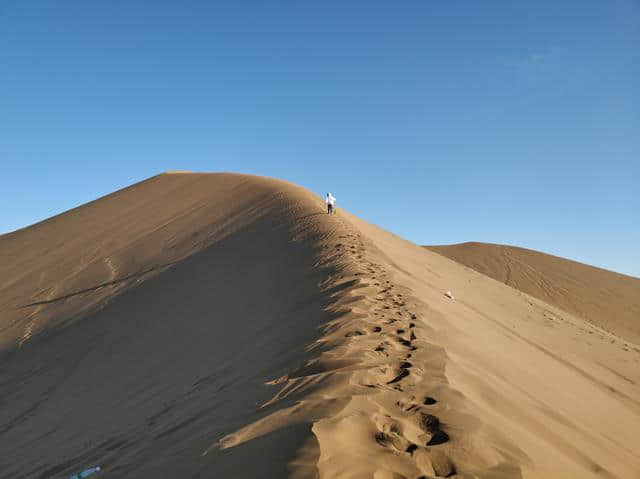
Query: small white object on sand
(449,295)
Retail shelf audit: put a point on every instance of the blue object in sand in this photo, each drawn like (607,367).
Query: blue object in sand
(86,472)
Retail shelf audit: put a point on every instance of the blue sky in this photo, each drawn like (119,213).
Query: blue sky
(443,121)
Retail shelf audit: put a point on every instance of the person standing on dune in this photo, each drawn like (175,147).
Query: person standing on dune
(331,203)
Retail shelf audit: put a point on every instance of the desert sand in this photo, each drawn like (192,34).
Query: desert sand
(607,299)
(222,325)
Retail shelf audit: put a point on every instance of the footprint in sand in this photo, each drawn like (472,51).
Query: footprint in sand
(390,436)
(354,333)
(411,448)
(381,349)
(403,373)
(431,424)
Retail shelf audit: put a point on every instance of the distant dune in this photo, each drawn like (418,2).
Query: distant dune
(607,299)
(223,325)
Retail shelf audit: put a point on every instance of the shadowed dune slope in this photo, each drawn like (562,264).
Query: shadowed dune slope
(138,328)
(607,299)
(61,268)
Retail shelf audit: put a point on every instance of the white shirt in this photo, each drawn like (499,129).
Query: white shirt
(330,200)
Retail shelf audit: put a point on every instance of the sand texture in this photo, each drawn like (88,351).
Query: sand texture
(222,325)
(607,299)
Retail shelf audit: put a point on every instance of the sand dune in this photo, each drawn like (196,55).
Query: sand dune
(138,328)
(607,299)
(222,325)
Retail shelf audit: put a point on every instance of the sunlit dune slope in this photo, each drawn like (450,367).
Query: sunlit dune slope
(607,299)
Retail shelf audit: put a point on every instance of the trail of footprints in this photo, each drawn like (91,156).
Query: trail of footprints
(398,328)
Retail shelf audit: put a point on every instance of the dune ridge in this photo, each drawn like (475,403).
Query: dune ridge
(245,333)
(370,393)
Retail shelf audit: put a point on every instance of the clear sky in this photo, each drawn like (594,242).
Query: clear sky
(509,121)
